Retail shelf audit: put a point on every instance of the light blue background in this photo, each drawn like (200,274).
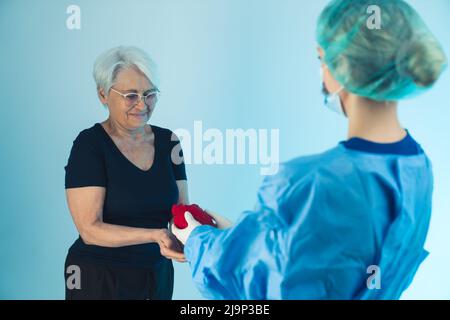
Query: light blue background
(231,64)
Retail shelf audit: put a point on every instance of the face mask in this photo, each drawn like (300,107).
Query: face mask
(333,102)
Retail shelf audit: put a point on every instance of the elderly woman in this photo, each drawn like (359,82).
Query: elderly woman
(120,186)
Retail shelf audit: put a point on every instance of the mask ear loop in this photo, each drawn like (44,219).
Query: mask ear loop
(339,91)
(338,97)
(341,88)
(336,94)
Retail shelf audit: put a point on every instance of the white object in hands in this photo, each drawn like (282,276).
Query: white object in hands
(183,234)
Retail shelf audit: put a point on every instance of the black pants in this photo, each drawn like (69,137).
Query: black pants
(87,280)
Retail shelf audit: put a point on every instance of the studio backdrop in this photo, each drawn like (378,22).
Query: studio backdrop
(223,65)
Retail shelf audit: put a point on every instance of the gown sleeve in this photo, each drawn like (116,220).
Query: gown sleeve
(246,260)
(300,242)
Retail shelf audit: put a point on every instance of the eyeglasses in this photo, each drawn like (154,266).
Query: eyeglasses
(133,98)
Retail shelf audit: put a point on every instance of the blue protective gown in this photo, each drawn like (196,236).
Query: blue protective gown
(319,224)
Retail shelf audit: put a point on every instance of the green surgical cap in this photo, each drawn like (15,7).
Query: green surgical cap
(379,49)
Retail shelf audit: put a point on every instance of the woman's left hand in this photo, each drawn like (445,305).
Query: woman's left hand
(170,247)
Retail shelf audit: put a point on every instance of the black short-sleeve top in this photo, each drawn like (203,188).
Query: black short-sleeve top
(134,197)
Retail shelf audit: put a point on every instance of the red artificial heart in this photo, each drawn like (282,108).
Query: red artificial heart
(198,213)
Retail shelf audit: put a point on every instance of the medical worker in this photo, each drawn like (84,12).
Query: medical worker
(349,223)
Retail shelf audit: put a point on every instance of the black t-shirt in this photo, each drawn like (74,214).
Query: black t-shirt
(134,197)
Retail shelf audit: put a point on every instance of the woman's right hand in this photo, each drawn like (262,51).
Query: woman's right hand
(170,247)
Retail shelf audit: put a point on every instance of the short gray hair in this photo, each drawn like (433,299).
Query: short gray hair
(110,62)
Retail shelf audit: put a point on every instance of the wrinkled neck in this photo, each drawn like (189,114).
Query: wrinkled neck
(136,135)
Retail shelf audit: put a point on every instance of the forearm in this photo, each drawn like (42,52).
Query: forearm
(231,258)
(110,235)
(183,194)
(201,250)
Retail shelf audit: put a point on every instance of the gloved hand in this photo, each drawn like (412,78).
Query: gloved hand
(183,234)
(188,217)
